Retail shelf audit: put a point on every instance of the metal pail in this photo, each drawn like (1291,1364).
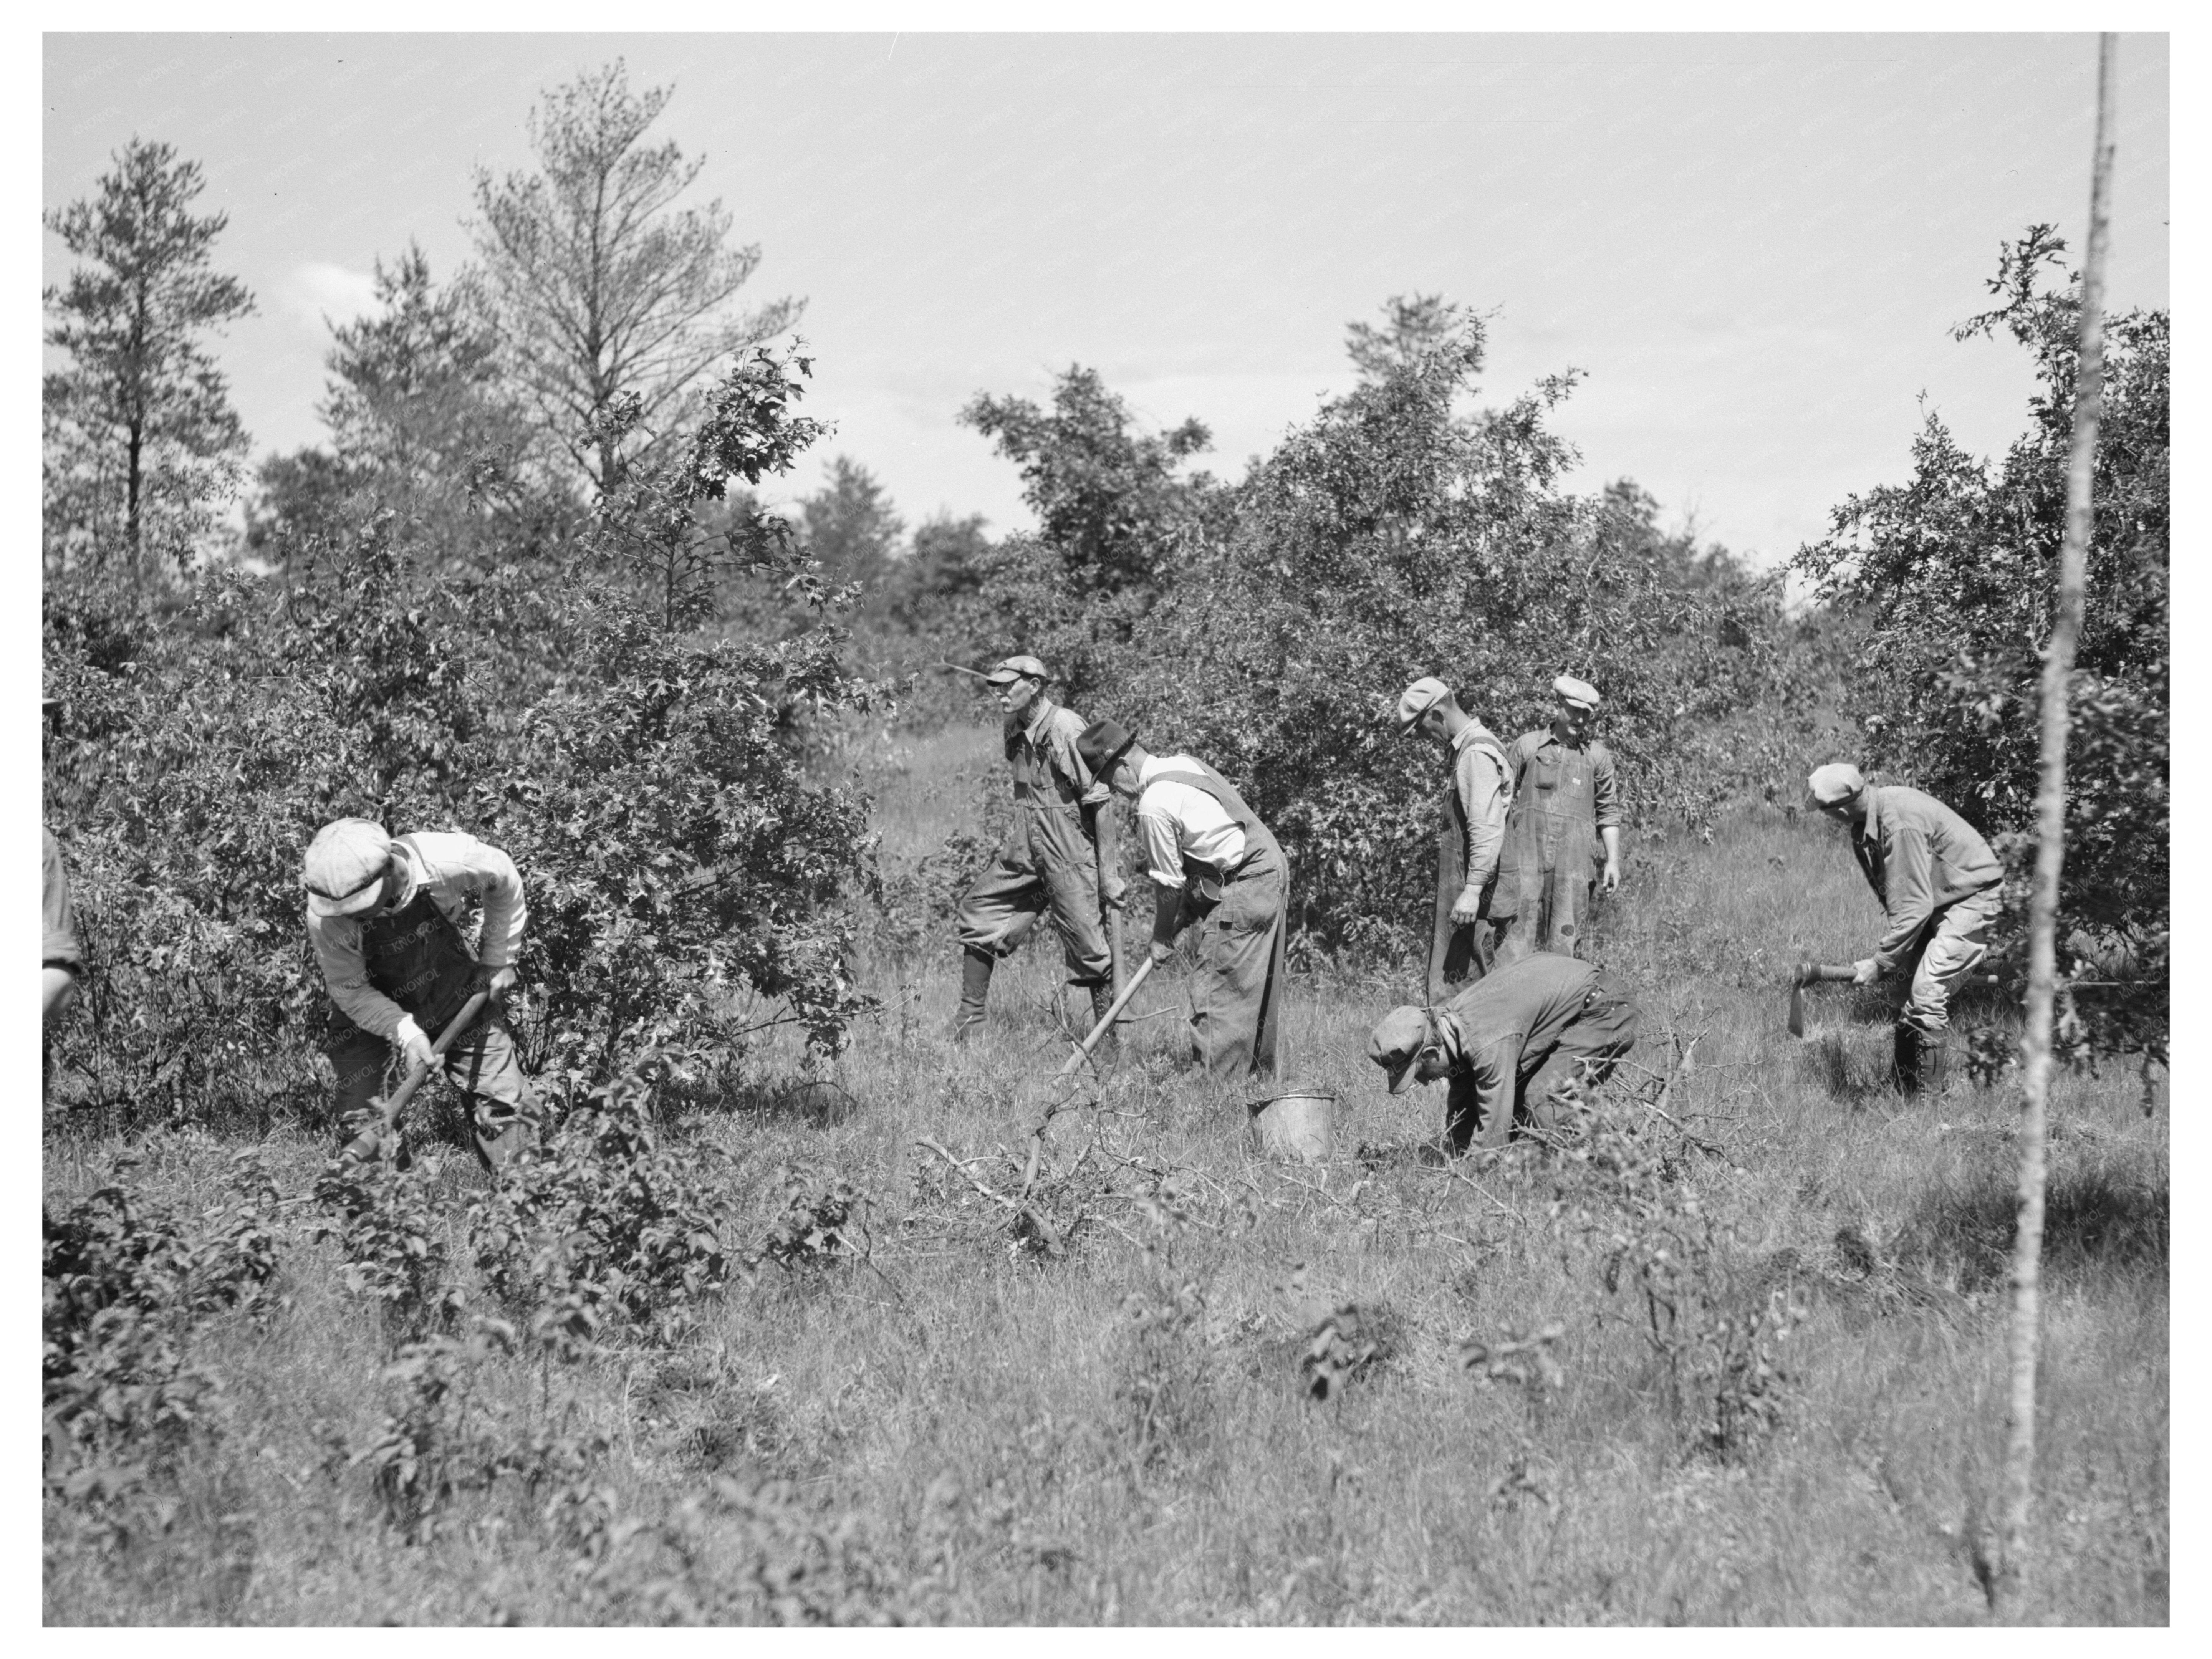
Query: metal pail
(1296,1126)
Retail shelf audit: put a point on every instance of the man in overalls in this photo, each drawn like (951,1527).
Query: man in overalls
(1475,802)
(1059,856)
(1565,806)
(385,915)
(1940,889)
(1508,1045)
(1208,855)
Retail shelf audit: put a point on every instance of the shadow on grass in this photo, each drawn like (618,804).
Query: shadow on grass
(2098,1220)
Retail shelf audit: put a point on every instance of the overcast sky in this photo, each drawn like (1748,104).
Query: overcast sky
(1753,246)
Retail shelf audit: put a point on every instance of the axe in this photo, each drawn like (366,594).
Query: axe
(1083,1049)
(378,1142)
(1814,973)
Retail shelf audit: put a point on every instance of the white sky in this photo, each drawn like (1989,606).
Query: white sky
(1753,244)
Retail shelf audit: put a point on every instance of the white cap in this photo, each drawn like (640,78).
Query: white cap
(343,870)
(1834,784)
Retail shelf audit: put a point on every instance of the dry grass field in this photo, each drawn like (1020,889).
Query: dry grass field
(1737,1359)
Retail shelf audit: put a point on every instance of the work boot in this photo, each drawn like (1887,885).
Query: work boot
(1934,1064)
(1904,1064)
(1101,999)
(974,990)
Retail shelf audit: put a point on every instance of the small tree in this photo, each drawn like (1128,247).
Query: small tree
(141,440)
(613,305)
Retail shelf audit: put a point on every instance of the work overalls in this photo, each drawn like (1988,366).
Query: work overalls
(1460,954)
(1237,993)
(1051,862)
(1547,870)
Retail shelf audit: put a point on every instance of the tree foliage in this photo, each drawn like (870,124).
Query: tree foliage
(607,293)
(679,861)
(141,441)
(1954,572)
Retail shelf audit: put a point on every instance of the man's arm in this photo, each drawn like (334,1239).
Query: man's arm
(1908,895)
(336,941)
(1481,785)
(62,957)
(1492,1069)
(1605,797)
(458,863)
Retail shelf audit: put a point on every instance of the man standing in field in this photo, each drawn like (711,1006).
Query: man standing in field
(1565,806)
(1509,1042)
(1938,883)
(385,914)
(1475,801)
(1208,854)
(1059,856)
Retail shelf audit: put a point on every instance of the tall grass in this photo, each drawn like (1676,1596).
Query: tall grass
(1087,1394)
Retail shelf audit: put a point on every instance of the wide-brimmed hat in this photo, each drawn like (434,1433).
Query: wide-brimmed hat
(1396,1042)
(1580,693)
(1014,668)
(1417,699)
(343,870)
(1834,784)
(1102,743)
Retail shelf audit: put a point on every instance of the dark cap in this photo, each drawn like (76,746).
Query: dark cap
(1396,1042)
(1102,743)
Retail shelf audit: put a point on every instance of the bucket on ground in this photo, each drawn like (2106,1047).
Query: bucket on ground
(1294,1125)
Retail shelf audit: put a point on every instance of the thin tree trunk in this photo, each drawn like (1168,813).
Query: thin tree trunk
(2049,856)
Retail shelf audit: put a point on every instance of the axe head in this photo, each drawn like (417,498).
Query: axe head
(1797,1007)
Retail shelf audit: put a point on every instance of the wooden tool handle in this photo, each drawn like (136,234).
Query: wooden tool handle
(1082,1054)
(454,1027)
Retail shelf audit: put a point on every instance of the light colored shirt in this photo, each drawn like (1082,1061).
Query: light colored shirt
(454,868)
(1918,855)
(1480,782)
(1182,821)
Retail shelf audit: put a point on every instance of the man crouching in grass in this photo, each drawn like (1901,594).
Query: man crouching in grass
(1508,1043)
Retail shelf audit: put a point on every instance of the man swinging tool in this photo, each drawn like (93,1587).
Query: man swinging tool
(1208,855)
(1938,882)
(385,915)
(1059,856)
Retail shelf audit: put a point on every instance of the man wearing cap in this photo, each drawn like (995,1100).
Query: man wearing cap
(385,914)
(1475,827)
(1059,856)
(1564,807)
(1938,883)
(1509,1042)
(1208,854)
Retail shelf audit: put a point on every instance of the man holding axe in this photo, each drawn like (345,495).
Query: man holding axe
(1207,856)
(1937,882)
(385,915)
(1059,856)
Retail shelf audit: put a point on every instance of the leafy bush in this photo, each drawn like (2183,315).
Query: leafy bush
(650,784)
(388,1230)
(126,1287)
(602,1228)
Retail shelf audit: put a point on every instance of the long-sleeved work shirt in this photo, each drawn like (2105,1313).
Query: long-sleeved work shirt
(1042,749)
(454,868)
(1918,855)
(1182,821)
(1482,785)
(1487,1029)
(61,948)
